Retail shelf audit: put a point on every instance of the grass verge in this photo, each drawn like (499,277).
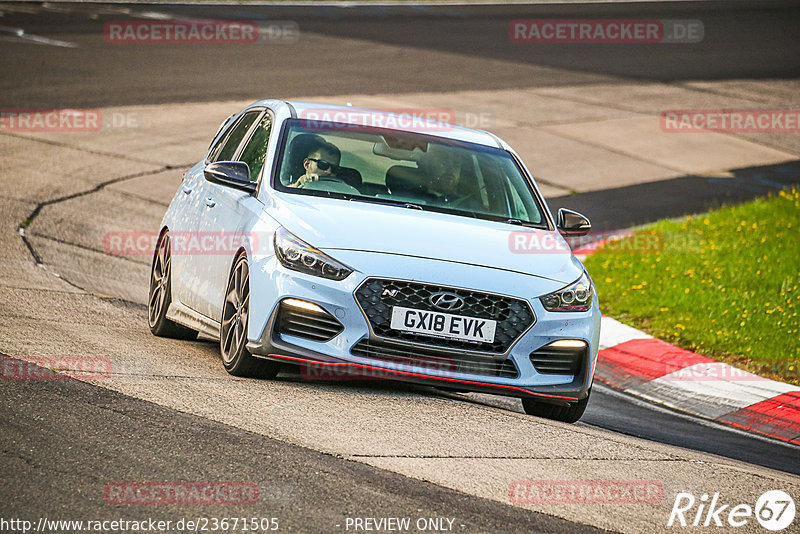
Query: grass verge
(725,284)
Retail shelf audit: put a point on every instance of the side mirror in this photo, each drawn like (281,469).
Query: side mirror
(571,223)
(234,174)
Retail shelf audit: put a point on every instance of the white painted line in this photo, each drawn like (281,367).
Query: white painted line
(19,34)
(613,332)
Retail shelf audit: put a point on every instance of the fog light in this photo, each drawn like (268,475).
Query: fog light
(568,344)
(304,304)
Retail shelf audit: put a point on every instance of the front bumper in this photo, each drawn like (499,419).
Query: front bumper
(271,283)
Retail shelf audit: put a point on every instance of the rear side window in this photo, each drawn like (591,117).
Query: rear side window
(255,151)
(226,149)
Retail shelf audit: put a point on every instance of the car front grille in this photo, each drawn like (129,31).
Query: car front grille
(377,296)
(425,360)
(550,360)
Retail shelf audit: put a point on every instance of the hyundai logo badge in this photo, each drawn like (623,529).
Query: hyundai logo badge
(447,301)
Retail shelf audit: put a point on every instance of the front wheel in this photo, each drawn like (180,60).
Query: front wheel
(233,330)
(160,295)
(566,414)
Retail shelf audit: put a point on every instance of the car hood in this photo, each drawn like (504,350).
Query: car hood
(335,224)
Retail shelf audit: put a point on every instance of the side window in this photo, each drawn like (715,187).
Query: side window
(255,151)
(227,148)
(215,142)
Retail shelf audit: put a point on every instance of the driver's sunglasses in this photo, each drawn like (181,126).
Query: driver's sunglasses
(324,165)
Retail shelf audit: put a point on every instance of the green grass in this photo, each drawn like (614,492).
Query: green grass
(725,284)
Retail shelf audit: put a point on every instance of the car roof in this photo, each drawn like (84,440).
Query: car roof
(404,119)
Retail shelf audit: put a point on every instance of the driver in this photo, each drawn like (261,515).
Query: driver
(447,180)
(444,171)
(322,160)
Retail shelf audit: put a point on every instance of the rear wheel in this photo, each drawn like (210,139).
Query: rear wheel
(567,414)
(233,330)
(160,295)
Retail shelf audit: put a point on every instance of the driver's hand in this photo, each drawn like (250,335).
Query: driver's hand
(303,180)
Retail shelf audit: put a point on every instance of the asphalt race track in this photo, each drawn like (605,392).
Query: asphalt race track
(742,40)
(321,453)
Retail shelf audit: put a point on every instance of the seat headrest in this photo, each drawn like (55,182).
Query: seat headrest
(403,179)
(349,176)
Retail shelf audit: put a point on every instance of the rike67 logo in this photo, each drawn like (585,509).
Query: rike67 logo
(774,510)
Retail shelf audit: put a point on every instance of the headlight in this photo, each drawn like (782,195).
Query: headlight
(296,254)
(576,297)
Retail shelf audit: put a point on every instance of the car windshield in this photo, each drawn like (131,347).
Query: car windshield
(409,169)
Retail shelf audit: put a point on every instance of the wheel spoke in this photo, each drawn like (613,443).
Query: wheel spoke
(244,292)
(159,281)
(153,310)
(240,338)
(237,280)
(227,341)
(162,252)
(245,281)
(235,338)
(232,298)
(154,297)
(162,298)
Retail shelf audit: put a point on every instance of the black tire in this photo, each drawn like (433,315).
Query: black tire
(160,294)
(566,414)
(233,328)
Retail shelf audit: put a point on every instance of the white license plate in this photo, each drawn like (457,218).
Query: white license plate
(440,324)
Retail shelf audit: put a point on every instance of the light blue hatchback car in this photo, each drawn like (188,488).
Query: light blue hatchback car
(382,245)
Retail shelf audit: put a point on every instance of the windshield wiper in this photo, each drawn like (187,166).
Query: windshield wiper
(387,202)
(517,222)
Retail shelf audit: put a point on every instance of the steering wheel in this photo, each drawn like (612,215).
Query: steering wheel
(333,179)
(460,201)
